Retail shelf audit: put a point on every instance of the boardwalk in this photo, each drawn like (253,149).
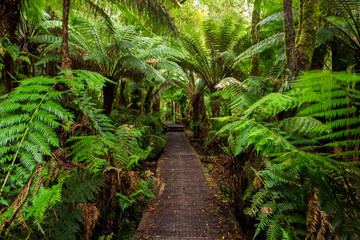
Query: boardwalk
(186,204)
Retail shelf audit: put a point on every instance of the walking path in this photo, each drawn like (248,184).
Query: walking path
(187,203)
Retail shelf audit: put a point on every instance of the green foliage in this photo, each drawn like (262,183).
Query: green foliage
(308,161)
(145,191)
(127,150)
(261,46)
(66,220)
(29,116)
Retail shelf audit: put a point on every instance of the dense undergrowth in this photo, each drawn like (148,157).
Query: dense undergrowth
(298,152)
(72,142)
(68,170)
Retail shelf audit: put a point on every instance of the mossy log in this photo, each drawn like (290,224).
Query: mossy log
(156,143)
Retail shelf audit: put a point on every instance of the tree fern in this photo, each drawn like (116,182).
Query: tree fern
(30,117)
(267,43)
(127,150)
(295,158)
(31,109)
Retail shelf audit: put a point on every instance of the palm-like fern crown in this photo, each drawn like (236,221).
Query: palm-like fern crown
(209,53)
(121,53)
(344,18)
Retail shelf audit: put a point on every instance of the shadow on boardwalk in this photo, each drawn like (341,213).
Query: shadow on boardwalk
(187,204)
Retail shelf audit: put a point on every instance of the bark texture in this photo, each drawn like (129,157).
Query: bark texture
(148,100)
(318,59)
(9,19)
(66,61)
(255,30)
(109,96)
(289,38)
(195,100)
(215,105)
(306,37)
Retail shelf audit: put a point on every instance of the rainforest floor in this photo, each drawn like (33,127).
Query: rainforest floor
(188,203)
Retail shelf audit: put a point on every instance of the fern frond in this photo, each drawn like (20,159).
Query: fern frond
(270,105)
(263,45)
(304,126)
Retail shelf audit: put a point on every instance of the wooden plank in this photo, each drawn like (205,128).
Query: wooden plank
(173,127)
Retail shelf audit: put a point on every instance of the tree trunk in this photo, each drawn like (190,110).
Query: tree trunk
(148,100)
(305,40)
(240,182)
(156,104)
(289,39)
(66,61)
(177,112)
(136,98)
(339,52)
(255,30)
(215,105)
(196,115)
(317,61)
(357,60)
(9,19)
(109,95)
(121,97)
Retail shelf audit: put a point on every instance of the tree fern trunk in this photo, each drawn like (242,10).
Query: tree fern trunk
(66,61)
(9,19)
(148,100)
(215,105)
(204,118)
(357,61)
(240,182)
(121,96)
(109,95)
(317,62)
(156,104)
(136,97)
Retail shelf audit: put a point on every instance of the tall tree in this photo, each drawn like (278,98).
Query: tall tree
(289,38)
(309,17)
(255,30)
(66,61)
(9,19)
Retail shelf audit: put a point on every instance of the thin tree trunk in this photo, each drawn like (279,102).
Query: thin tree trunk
(9,19)
(148,99)
(305,40)
(215,105)
(121,97)
(109,95)
(289,38)
(318,58)
(177,112)
(255,30)
(196,115)
(66,61)
(357,61)
(136,97)
(156,104)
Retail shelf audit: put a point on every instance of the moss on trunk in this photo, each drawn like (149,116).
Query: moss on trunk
(9,19)
(289,38)
(306,38)
(255,30)
(66,61)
